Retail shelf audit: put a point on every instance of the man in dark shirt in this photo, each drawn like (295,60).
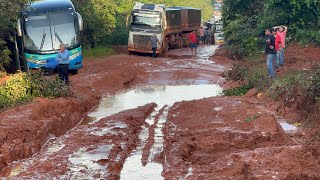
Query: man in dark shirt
(154,45)
(270,51)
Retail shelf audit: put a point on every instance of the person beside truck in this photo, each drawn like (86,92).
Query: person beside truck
(193,42)
(154,45)
(201,35)
(208,34)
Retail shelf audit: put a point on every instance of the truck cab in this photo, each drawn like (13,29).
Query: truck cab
(147,20)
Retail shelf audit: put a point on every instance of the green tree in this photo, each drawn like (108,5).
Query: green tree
(245,21)
(9,11)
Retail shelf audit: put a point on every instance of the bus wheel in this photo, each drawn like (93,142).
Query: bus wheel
(74,71)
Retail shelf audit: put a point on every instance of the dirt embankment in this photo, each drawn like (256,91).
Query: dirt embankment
(24,129)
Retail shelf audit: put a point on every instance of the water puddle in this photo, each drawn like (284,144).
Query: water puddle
(54,146)
(161,95)
(289,128)
(85,163)
(205,53)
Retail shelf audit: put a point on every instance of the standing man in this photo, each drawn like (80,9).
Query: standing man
(193,42)
(278,46)
(154,45)
(63,61)
(282,32)
(270,51)
(209,34)
(201,35)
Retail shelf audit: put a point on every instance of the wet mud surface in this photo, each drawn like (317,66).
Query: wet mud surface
(134,117)
(232,138)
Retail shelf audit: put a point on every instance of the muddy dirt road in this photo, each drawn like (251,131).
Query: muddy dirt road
(134,117)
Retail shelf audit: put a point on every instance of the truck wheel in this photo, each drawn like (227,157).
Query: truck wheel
(74,71)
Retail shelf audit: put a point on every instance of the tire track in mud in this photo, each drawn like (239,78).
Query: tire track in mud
(151,140)
(145,161)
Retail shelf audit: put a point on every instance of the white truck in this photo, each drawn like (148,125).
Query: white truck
(171,25)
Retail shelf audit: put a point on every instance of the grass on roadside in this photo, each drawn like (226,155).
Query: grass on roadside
(99,51)
(238,91)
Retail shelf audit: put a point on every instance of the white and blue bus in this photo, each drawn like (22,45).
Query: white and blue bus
(42,27)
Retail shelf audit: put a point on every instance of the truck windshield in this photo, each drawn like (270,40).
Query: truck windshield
(47,32)
(149,20)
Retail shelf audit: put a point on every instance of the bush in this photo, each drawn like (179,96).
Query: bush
(258,77)
(23,87)
(238,91)
(98,51)
(306,37)
(288,86)
(237,73)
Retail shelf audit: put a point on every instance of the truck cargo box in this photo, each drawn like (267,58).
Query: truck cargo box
(190,18)
(173,17)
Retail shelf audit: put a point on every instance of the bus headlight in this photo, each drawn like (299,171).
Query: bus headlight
(36,61)
(73,56)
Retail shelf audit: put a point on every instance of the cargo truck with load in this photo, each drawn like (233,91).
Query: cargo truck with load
(171,25)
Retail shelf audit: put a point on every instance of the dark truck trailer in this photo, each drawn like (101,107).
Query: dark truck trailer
(173,17)
(190,18)
(180,22)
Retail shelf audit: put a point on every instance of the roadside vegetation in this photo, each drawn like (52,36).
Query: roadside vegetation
(98,51)
(244,25)
(245,22)
(23,87)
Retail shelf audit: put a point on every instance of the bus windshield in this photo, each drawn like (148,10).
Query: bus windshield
(47,32)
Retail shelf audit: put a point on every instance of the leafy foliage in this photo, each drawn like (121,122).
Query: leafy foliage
(238,91)
(245,22)
(9,11)
(23,87)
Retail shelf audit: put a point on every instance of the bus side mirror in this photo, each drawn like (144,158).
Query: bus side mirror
(19,29)
(80,22)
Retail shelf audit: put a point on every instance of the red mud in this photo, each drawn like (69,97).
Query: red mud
(226,144)
(301,58)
